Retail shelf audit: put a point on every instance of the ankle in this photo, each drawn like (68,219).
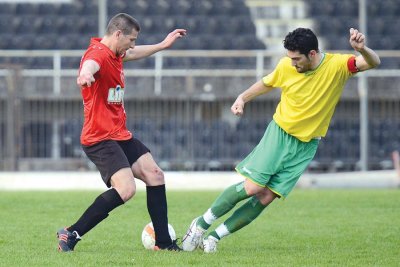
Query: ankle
(202,223)
(215,235)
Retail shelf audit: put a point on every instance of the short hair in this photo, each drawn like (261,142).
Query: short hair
(123,22)
(302,40)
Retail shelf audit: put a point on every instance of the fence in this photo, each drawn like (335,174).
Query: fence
(178,103)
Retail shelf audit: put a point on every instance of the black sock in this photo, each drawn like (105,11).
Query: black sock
(157,207)
(97,212)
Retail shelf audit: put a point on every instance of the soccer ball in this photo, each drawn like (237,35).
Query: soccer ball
(149,237)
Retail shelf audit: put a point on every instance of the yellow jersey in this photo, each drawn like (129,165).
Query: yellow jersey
(308,99)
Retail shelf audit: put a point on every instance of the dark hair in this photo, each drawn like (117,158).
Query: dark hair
(302,40)
(122,22)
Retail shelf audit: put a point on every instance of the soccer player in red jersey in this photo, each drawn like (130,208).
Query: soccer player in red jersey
(107,142)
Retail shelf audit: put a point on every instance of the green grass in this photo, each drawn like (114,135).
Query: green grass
(309,228)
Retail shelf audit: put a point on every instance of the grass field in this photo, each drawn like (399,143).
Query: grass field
(309,228)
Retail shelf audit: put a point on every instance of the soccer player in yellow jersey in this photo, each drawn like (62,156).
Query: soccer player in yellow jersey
(311,82)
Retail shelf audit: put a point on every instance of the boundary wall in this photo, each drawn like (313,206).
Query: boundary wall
(191,180)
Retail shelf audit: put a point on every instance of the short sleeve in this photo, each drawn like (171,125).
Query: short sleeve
(96,55)
(346,63)
(274,79)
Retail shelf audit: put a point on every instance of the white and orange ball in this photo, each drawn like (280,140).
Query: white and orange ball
(149,236)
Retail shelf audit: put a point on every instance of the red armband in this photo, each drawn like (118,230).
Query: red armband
(351,65)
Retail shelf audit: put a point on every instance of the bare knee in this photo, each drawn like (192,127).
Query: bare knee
(154,177)
(126,191)
(266,196)
(147,170)
(252,188)
(124,182)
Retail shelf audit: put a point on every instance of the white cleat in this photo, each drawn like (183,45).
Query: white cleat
(210,244)
(192,239)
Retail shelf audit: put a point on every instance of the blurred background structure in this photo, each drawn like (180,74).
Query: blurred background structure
(178,101)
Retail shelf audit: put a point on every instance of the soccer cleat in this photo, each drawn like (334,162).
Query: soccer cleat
(67,240)
(193,236)
(173,247)
(210,244)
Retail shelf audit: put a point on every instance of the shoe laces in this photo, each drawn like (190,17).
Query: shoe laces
(174,245)
(197,233)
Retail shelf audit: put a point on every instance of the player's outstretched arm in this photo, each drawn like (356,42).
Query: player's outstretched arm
(142,51)
(368,58)
(259,88)
(89,68)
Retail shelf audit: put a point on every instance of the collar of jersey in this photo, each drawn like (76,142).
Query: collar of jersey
(314,70)
(97,41)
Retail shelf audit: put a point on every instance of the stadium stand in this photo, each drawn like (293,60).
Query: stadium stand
(213,143)
(35,137)
(66,23)
(211,24)
(333,18)
(70,138)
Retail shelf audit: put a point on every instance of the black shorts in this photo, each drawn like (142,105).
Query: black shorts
(110,156)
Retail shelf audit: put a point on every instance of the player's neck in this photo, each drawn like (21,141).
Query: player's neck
(317,60)
(107,41)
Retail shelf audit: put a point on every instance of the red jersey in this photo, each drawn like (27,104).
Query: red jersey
(103,101)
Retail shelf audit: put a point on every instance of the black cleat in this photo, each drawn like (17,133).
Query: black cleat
(67,240)
(173,247)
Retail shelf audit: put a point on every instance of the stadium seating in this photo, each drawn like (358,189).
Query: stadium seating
(36,140)
(70,139)
(223,20)
(211,24)
(2,139)
(206,19)
(335,17)
(220,142)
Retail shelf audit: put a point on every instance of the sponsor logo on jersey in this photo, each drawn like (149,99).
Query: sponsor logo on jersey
(116,95)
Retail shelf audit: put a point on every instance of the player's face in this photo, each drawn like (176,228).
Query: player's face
(301,62)
(126,42)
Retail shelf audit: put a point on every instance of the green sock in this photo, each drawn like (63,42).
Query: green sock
(244,215)
(214,234)
(202,223)
(223,204)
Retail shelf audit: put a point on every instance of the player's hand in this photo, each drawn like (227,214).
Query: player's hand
(357,39)
(238,106)
(172,37)
(85,79)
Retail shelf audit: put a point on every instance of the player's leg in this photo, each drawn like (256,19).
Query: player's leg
(114,168)
(146,169)
(244,215)
(222,205)
(295,157)
(257,167)
(123,189)
(226,201)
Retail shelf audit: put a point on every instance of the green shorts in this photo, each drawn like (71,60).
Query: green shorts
(278,161)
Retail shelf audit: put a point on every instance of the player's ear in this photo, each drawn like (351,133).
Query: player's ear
(312,53)
(118,34)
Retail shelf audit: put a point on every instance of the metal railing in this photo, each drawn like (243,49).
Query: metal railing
(49,95)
